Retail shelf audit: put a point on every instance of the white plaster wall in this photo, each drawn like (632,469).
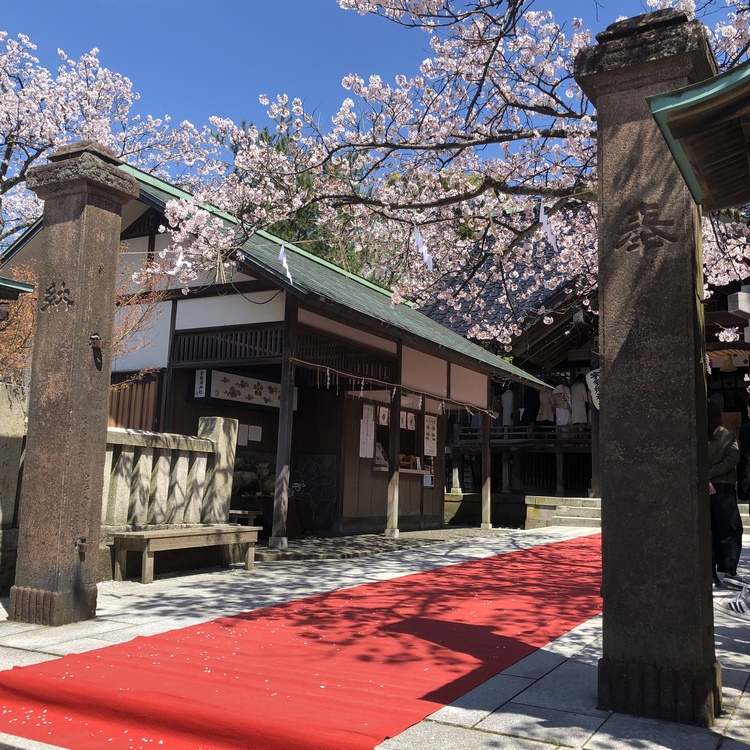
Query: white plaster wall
(423,372)
(230,310)
(346,332)
(151,344)
(469,387)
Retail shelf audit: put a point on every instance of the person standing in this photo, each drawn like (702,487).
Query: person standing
(561,402)
(546,413)
(743,469)
(579,402)
(726,524)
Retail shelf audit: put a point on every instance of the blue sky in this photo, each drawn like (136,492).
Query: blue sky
(195,58)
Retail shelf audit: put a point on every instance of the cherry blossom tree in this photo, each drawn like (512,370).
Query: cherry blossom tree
(17,330)
(471,184)
(41,110)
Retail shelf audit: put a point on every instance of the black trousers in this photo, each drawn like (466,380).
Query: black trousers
(726,528)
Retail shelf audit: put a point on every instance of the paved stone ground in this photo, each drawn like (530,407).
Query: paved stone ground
(546,700)
(363,545)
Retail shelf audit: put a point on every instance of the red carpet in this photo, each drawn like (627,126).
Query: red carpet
(336,671)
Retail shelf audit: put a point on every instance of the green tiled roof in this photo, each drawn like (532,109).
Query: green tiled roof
(11,289)
(316,277)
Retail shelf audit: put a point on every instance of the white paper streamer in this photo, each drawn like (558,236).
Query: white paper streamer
(544,221)
(282,258)
(423,249)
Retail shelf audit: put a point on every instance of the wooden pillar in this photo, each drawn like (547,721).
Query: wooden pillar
(486,472)
(394,447)
(455,471)
(506,485)
(516,480)
(278,539)
(559,472)
(167,389)
(419,444)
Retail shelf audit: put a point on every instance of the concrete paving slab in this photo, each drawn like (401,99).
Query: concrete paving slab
(43,637)
(9,628)
(621,732)
(428,735)
(590,655)
(569,687)
(734,679)
(542,724)
(733,641)
(536,665)
(577,639)
(13,657)
(9,742)
(477,704)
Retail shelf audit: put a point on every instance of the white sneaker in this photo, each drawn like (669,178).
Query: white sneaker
(736,581)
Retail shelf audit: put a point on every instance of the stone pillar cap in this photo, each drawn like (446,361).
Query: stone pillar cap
(78,148)
(648,22)
(82,167)
(643,52)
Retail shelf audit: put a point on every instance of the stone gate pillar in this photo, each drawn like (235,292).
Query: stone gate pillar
(658,641)
(61,496)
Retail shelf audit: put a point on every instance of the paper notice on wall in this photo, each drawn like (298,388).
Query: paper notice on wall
(384,415)
(368,411)
(430,435)
(254,433)
(200,384)
(242,434)
(366,438)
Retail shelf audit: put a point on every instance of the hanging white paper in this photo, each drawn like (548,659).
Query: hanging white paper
(366,438)
(430,435)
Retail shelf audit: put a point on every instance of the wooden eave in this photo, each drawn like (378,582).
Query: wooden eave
(12,290)
(707,129)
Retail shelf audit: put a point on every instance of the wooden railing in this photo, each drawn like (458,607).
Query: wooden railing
(523,435)
(160,478)
(225,346)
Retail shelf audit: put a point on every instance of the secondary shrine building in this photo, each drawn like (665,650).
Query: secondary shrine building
(343,391)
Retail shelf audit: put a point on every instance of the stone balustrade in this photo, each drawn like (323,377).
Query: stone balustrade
(155,478)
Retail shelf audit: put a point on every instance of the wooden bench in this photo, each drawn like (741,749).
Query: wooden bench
(150,542)
(246,517)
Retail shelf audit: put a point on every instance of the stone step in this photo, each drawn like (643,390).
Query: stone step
(575,521)
(564,510)
(568,502)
